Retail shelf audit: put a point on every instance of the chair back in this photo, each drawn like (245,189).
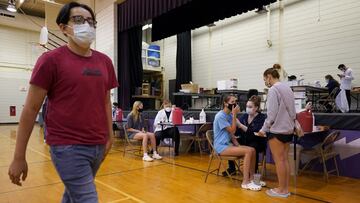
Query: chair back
(126,133)
(329,140)
(203,129)
(334,93)
(210,139)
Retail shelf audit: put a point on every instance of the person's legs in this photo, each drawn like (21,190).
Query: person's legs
(176,138)
(286,152)
(241,151)
(169,133)
(77,166)
(348,97)
(252,163)
(158,137)
(144,137)
(278,150)
(152,138)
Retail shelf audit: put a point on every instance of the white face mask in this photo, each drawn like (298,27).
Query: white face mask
(327,81)
(84,35)
(250,111)
(168,109)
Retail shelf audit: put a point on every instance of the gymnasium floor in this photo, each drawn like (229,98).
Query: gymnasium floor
(129,179)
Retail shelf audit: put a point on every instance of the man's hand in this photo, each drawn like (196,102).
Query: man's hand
(18,169)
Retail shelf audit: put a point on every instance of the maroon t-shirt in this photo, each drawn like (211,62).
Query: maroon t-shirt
(77,87)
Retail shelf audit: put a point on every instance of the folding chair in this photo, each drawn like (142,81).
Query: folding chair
(214,155)
(131,143)
(263,163)
(322,103)
(322,153)
(199,137)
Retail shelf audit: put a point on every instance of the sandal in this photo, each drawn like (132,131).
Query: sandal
(251,186)
(273,193)
(262,183)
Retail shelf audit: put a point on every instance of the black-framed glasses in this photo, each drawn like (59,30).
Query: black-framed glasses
(79,20)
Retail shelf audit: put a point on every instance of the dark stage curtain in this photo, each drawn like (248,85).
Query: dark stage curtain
(130,70)
(183,66)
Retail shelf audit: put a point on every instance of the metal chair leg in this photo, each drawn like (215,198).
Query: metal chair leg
(208,171)
(336,166)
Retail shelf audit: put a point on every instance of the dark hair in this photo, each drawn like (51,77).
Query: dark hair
(341,66)
(273,72)
(64,14)
(256,100)
(226,98)
(277,66)
(329,77)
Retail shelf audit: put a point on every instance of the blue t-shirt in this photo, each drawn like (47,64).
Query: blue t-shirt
(221,135)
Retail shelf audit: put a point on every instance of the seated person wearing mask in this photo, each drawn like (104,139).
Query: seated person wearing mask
(161,132)
(331,84)
(224,130)
(136,130)
(250,123)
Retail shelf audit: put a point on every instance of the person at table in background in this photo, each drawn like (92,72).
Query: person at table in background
(224,130)
(250,122)
(136,130)
(283,74)
(279,128)
(161,132)
(345,81)
(331,84)
(114,109)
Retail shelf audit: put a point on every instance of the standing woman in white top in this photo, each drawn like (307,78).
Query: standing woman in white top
(282,73)
(279,128)
(345,81)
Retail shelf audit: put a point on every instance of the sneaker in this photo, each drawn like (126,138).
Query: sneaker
(156,156)
(251,186)
(147,158)
(230,171)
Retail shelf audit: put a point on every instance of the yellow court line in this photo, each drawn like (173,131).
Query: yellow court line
(120,200)
(119,191)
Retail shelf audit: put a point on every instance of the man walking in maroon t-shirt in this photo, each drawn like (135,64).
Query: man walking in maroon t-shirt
(77,81)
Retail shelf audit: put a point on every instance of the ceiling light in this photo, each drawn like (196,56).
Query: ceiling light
(11,7)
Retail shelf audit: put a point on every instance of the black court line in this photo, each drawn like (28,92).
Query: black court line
(130,170)
(199,170)
(28,163)
(28,188)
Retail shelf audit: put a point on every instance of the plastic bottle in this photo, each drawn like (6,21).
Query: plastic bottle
(202,116)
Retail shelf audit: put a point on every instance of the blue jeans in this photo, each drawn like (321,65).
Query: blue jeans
(77,166)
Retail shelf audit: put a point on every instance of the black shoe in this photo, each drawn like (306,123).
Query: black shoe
(176,153)
(230,171)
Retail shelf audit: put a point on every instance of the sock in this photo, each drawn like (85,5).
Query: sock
(155,152)
(146,154)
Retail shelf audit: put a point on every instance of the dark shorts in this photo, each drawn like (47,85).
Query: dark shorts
(282,138)
(131,135)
